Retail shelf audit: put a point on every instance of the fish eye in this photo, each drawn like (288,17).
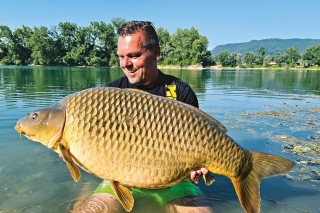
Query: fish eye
(34,115)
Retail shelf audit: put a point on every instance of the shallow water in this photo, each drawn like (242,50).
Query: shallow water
(264,110)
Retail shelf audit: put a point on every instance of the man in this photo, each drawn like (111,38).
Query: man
(139,52)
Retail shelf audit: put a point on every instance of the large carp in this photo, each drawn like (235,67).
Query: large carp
(135,139)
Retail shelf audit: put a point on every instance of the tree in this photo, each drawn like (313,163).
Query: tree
(233,59)
(292,55)
(6,39)
(21,50)
(104,42)
(117,23)
(44,50)
(249,59)
(311,56)
(82,49)
(260,55)
(189,47)
(279,59)
(114,60)
(207,59)
(223,58)
(267,60)
(165,45)
(200,53)
(238,58)
(59,46)
(67,32)
(181,43)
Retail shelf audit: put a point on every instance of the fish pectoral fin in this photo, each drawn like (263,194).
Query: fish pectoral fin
(73,168)
(124,194)
(79,164)
(208,179)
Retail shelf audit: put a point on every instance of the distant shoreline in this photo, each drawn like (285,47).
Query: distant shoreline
(263,68)
(193,67)
(196,67)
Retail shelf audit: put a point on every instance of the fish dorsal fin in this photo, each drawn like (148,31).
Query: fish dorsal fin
(73,168)
(216,123)
(124,194)
(208,179)
(137,90)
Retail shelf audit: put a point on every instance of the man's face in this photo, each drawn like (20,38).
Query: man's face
(137,62)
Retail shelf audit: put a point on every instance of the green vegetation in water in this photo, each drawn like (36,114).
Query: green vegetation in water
(298,119)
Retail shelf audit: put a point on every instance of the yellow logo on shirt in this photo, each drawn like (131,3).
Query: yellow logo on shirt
(171,92)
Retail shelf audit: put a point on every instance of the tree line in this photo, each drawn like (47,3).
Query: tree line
(291,58)
(68,44)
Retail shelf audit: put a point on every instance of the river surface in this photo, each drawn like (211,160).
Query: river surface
(273,111)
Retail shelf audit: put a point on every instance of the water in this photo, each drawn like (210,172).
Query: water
(264,110)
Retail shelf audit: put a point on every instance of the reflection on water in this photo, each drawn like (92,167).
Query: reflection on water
(264,110)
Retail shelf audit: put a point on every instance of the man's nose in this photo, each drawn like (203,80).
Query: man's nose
(127,61)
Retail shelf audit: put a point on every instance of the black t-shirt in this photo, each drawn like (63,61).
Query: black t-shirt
(166,85)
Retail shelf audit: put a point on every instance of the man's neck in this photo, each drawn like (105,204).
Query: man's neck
(151,83)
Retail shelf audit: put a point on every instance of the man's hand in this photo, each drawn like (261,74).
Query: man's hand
(196,174)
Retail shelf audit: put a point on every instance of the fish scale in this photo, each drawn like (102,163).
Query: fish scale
(133,138)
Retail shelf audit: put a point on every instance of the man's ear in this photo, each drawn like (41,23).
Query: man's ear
(156,52)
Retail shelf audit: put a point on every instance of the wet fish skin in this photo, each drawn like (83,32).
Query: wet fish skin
(133,138)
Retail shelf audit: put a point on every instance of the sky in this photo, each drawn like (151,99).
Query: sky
(221,21)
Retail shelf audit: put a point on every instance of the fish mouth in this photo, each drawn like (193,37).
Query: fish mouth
(18,129)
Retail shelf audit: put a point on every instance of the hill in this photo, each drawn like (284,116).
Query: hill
(273,46)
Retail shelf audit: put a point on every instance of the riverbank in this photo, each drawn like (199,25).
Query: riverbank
(218,67)
(192,67)
(199,67)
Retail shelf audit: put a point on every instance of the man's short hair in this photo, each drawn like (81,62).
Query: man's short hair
(132,27)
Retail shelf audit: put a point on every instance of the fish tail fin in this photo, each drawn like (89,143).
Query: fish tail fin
(248,187)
